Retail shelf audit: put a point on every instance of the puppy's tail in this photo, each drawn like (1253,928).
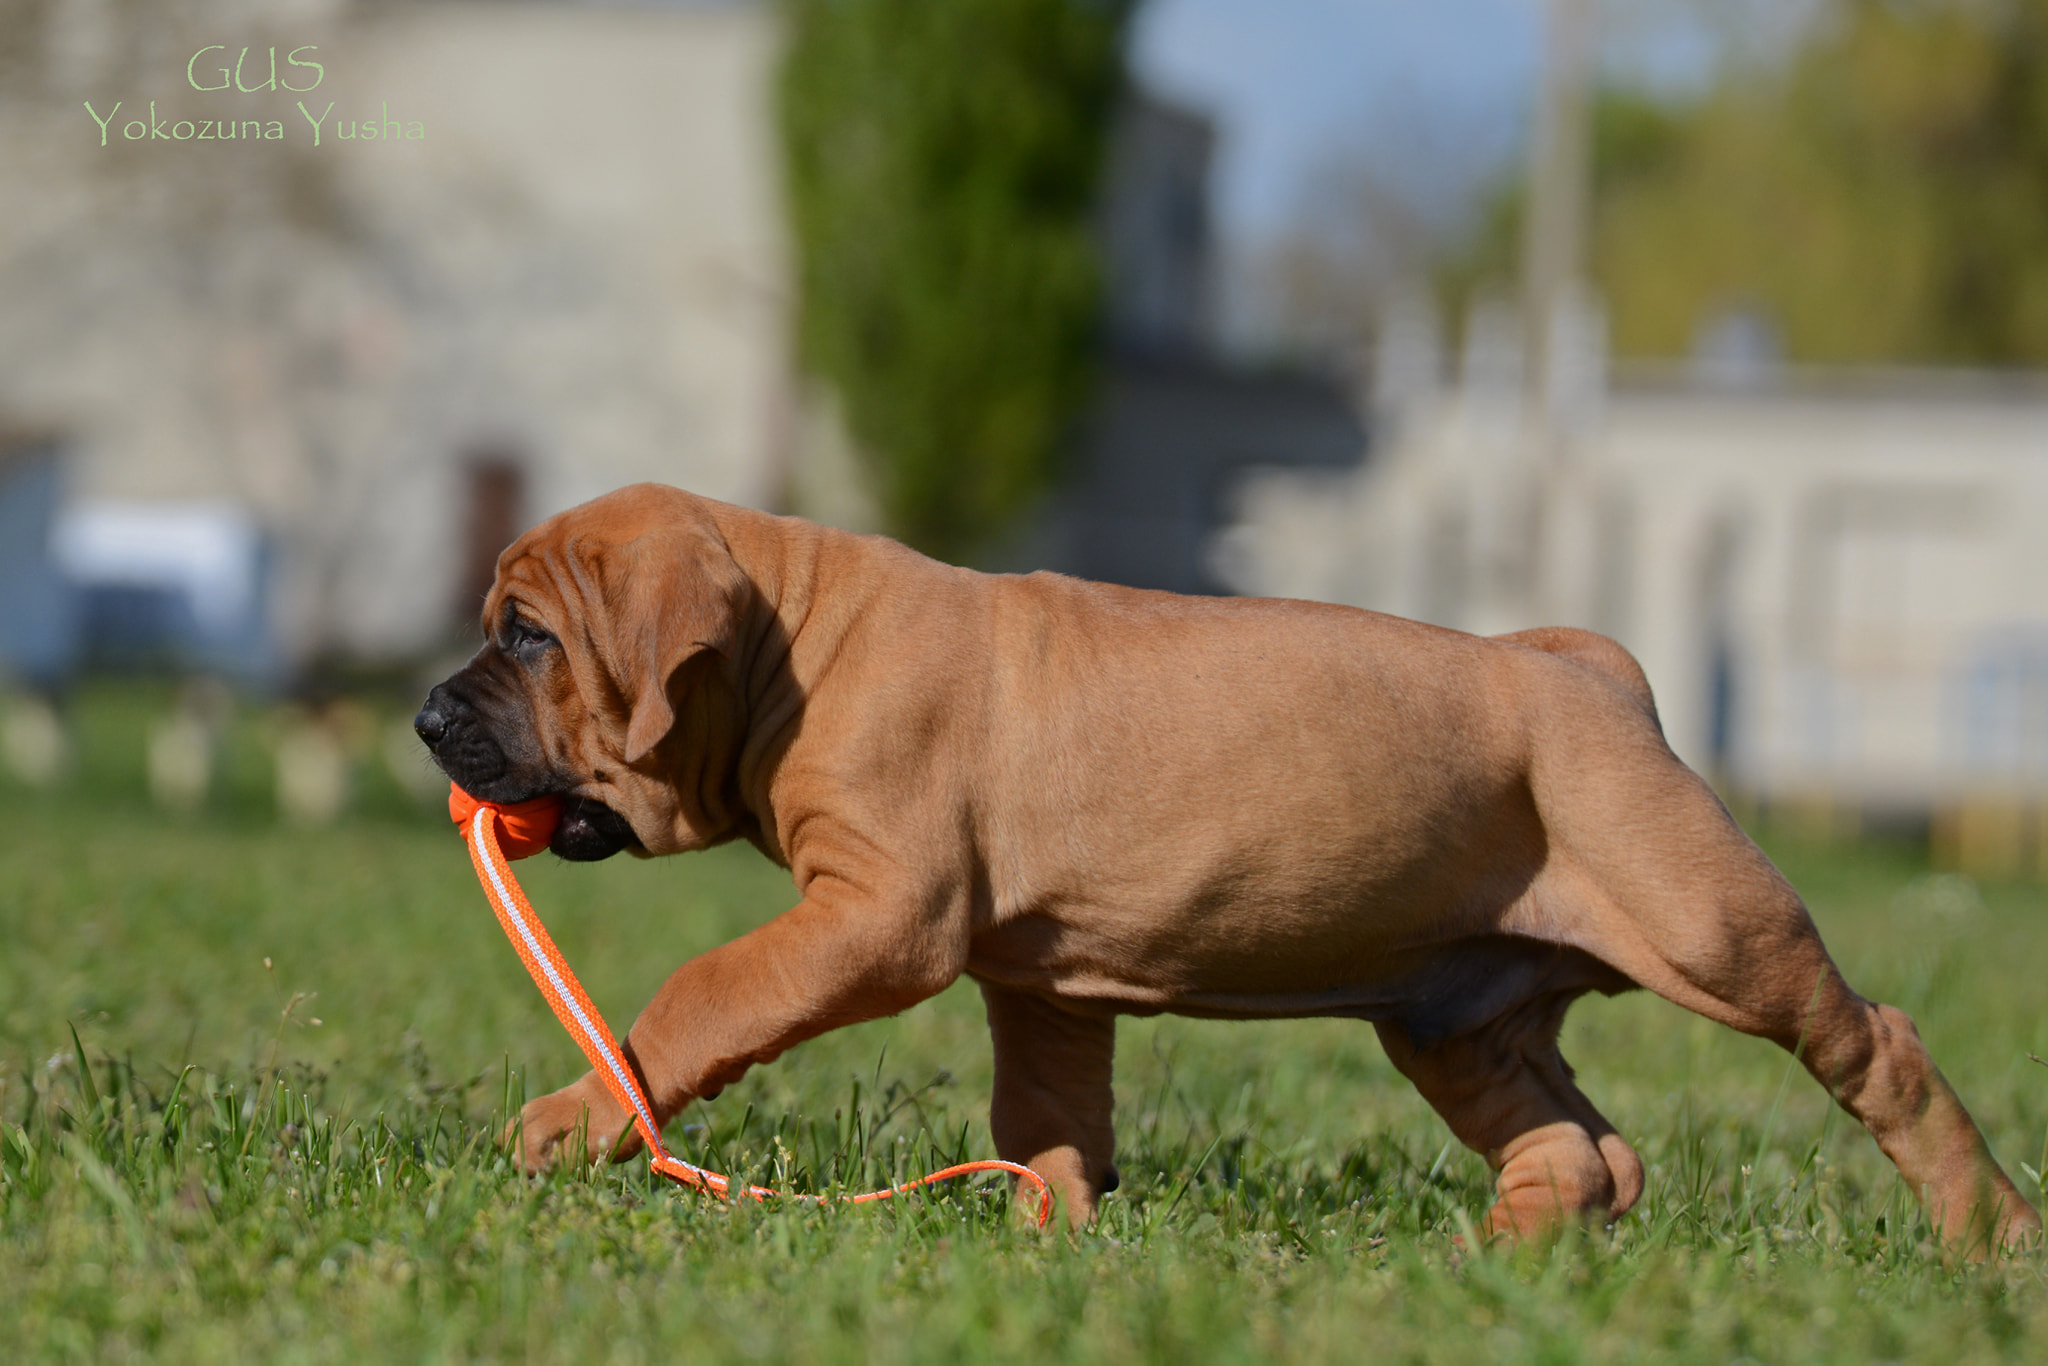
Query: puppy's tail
(1597,653)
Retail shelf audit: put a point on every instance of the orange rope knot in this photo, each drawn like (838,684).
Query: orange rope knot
(496,834)
(522,828)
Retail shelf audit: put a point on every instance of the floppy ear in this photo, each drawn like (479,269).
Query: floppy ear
(670,595)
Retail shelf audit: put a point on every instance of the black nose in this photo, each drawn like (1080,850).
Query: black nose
(431,725)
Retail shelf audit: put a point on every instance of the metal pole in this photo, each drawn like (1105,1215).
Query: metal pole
(1560,175)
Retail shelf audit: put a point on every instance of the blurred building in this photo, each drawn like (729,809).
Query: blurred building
(532,253)
(1834,580)
(1176,422)
(485,261)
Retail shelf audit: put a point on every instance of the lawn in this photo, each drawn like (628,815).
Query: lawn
(208,1174)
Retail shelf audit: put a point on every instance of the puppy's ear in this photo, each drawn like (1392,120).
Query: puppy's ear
(672,595)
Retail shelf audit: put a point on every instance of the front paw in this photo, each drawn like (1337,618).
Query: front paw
(547,1130)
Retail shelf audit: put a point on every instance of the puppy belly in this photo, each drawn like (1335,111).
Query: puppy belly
(1435,993)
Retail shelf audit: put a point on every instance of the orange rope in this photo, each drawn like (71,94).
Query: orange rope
(527,831)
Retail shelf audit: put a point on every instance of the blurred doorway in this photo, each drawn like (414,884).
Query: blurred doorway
(493,512)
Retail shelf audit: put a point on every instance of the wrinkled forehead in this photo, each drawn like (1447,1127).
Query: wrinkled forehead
(570,556)
(541,569)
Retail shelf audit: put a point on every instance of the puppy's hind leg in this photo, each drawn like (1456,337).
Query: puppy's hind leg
(1051,1109)
(1508,1094)
(1664,887)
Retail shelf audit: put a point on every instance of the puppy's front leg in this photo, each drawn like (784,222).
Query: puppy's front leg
(837,958)
(1051,1109)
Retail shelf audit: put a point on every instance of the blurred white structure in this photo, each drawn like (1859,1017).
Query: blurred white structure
(170,570)
(1837,582)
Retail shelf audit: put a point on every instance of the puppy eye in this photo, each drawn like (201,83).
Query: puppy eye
(522,635)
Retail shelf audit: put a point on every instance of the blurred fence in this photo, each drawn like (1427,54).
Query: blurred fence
(199,750)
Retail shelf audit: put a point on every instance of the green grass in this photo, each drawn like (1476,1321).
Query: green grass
(173,1195)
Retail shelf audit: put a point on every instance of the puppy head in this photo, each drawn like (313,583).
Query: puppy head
(601,622)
